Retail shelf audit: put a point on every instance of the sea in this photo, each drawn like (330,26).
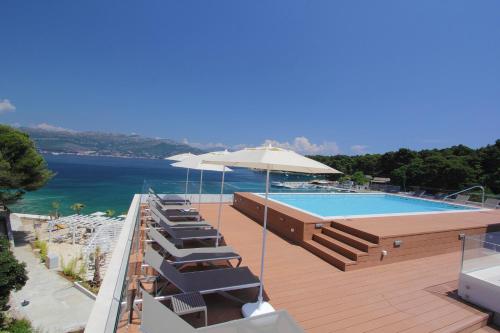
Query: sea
(103,183)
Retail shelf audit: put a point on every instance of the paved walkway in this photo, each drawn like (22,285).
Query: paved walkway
(55,305)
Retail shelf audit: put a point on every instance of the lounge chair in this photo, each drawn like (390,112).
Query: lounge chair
(168,201)
(210,281)
(461,198)
(174,212)
(439,196)
(179,236)
(419,193)
(161,219)
(491,203)
(194,255)
(171,205)
(158,318)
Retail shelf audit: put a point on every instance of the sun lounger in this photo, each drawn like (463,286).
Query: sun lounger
(174,213)
(194,255)
(204,282)
(491,203)
(461,198)
(419,193)
(169,200)
(161,219)
(156,317)
(179,236)
(169,205)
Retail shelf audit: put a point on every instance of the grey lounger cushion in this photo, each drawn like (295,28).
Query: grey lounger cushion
(491,203)
(179,224)
(204,282)
(202,254)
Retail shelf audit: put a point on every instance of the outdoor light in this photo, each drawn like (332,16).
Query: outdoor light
(397,243)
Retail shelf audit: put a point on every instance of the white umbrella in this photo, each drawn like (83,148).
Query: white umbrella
(196,163)
(178,158)
(268,158)
(98,214)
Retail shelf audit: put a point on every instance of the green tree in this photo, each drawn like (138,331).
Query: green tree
(22,168)
(77,207)
(359,178)
(12,274)
(109,212)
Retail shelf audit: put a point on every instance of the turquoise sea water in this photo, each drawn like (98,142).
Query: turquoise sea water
(109,183)
(362,204)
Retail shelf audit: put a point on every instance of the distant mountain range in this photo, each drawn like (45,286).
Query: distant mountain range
(59,141)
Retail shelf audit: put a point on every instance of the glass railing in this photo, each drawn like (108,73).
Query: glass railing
(481,252)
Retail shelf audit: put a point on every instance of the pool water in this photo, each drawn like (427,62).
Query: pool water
(341,205)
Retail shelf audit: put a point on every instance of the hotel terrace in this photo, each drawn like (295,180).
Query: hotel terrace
(370,274)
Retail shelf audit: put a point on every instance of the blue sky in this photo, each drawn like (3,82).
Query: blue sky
(317,76)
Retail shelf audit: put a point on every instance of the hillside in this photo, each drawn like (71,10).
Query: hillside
(108,144)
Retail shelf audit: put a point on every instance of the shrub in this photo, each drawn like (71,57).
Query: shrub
(12,274)
(72,270)
(43,247)
(19,326)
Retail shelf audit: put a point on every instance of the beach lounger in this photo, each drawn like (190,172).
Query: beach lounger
(419,193)
(461,198)
(169,200)
(193,255)
(491,203)
(210,281)
(160,218)
(179,236)
(156,317)
(174,212)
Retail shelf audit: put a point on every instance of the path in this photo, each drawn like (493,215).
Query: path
(55,305)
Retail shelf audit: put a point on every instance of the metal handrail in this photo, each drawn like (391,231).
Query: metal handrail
(468,189)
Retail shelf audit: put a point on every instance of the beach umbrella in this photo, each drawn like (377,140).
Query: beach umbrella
(268,158)
(98,214)
(196,163)
(178,158)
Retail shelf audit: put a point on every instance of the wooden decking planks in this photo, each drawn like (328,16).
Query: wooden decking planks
(387,298)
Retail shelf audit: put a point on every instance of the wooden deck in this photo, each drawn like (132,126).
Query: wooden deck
(393,226)
(409,296)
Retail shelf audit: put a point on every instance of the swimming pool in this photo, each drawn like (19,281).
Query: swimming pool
(336,205)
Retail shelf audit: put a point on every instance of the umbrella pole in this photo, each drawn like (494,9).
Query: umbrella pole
(220,206)
(264,236)
(187,182)
(199,195)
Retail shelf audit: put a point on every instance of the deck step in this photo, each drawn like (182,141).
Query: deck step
(339,246)
(330,256)
(354,241)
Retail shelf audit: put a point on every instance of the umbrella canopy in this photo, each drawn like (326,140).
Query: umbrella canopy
(182,157)
(98,214)
(179,157)
(268,158)
(196,162)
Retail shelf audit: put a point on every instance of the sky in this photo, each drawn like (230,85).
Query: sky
(316,76)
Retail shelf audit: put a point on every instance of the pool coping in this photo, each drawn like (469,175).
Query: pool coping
(327,218)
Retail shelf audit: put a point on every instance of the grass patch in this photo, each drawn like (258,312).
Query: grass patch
(43,247)
(18,326)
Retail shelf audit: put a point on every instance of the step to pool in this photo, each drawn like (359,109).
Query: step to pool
(352,240)
(340,248)
(336,259)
